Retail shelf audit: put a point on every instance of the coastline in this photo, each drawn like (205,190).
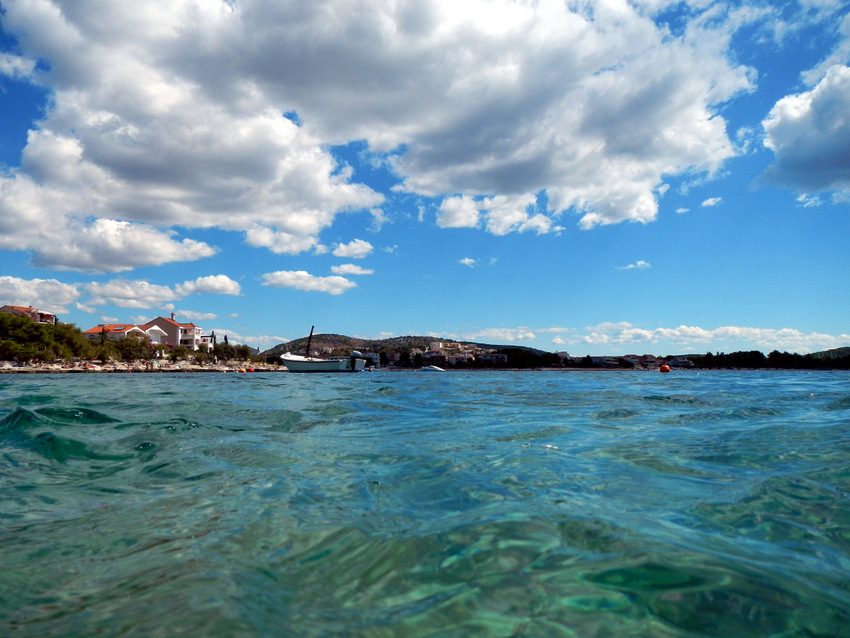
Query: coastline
(126,368)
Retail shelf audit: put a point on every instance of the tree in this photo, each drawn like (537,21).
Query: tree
(23,339)
(133,347)
(224,351)
(180,352)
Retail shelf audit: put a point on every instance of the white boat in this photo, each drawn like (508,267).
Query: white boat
(305,363)
(432,369)
(300,363)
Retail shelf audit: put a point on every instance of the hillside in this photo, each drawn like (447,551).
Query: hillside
(835,353)
(342,344)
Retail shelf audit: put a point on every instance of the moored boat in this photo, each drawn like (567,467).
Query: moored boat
(305,363)
(300,363)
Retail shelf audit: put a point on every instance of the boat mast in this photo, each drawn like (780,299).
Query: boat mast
(309,339)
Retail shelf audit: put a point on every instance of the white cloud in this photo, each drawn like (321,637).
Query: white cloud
(841,54)
(638,265)
(132,135)
(215,284)
(351,269)
(502,335)
(190,315)
(502,214)
(682,210)
(506,214)
(809,134)
(612,335)
(48,295)
(169,115)
(302,280)
(355,249)
(458,212)
(711,201)
(15,66)
(809,201)
(468,261)
(126,293)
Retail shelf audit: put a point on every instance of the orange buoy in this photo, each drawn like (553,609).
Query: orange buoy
(664,368)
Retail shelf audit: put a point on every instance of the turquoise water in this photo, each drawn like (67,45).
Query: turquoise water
(417,504)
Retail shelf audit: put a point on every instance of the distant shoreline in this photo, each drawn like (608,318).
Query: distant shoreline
(134,369)
(178,368)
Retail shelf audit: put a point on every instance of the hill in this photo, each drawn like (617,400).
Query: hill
(835,353)
(341,344)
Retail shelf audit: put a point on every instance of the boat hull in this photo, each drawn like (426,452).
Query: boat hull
(296,363)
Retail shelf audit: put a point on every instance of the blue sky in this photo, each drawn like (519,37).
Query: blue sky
(596,177)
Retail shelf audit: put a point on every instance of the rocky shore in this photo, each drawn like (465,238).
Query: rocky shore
(135,367)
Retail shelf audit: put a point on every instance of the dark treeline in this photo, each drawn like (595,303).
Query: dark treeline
(777,360)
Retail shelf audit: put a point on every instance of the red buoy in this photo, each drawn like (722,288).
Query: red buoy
(664,368)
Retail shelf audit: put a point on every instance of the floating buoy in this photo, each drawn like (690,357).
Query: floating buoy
(664,368)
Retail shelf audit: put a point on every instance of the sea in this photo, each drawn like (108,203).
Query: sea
(412,504)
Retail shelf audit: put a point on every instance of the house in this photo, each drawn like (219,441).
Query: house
(33,313)
(112,331)
(175,333)
(161,330)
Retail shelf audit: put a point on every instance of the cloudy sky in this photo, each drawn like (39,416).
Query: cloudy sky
(592,176)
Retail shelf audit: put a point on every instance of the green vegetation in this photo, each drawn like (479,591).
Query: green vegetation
(25,341)
(781,360)
(22,339)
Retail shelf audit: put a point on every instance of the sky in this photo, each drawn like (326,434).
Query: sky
(593,177)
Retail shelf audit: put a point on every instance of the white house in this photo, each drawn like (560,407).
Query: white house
(33,313)
(175,333)
(161,330)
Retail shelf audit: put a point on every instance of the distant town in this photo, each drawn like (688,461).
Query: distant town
(28,335)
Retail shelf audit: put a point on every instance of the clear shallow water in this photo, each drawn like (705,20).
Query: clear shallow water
(417,504)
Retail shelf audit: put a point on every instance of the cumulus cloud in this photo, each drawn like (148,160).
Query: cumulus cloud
(302,280)
(711,201)
(351,269)
(458,212)
(356,249)
(216,284)
(503,335)
(129,293)
(617,338)
(48,295)
(132,135)
(502,214)
(190,315)
(15,66)
(809,134)
(172,116)
(468,261)
(126,293)
(615,334)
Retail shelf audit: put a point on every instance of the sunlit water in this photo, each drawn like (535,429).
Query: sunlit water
(425,504)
